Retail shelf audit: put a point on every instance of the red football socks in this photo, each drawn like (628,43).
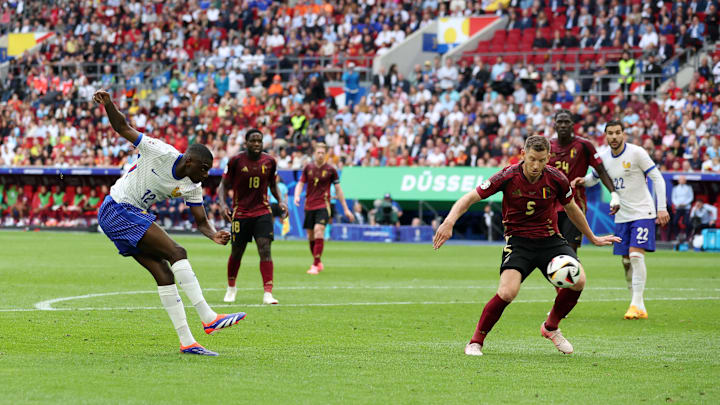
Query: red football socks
(490,315)
(317,250)
(266,271)
(564,303)
(233,266)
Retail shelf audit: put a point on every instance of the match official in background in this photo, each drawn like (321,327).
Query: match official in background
(682,198)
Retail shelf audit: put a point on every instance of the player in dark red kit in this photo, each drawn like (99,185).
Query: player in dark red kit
(249,174)
(573,155)
(530,191)
(319,176)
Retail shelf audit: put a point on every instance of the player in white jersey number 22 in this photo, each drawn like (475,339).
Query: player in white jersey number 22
(629,166)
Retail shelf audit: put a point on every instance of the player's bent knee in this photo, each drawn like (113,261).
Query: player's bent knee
(507,295)
(166,277)
(264,249)
(178,253)
(265,254)
(580,284)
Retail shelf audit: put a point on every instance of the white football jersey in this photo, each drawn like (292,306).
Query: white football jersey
(628,171)
(152,178)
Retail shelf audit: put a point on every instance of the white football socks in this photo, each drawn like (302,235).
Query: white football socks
(185,276)
(639,276)
(173,305)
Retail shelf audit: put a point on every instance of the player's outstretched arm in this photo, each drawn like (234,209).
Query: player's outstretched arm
(444,231)
(117,119)
(607,181)
(578,218)
(341,197)
(207,229)
(298,190)
(588,181)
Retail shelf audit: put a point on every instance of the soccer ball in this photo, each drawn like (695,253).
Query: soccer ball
(563,271)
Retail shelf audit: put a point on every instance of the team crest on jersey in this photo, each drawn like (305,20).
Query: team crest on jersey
(485,184)
(546,192)
(517,193)
(245,169)
(176,192)
(626,165)
(322,174)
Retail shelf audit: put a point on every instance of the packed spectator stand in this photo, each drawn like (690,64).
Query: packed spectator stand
(205,71)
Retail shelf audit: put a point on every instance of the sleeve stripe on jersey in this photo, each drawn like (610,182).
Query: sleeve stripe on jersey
(189,204)
(648,170)
(594,174)
(137,141)
(557,174)
(506,175)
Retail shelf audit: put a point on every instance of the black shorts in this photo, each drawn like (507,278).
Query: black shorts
(314,217)
(568,230)
(245,229)
(275,209)
(524,254)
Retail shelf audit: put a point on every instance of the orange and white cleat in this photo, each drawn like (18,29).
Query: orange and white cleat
(636,313)
(223,321)
(557,338)
(313,270)
(320,266)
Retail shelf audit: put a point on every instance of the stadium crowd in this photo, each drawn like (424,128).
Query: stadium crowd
(240,64)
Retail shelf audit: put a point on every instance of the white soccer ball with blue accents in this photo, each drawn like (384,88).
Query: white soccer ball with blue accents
(563,271)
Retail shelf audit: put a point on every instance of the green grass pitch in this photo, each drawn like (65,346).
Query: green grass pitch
(384,323)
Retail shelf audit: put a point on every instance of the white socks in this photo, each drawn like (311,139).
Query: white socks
(173,305)
(628,272)
(185,277)
(639,275)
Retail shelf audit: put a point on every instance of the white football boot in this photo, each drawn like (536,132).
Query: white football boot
(230,294)
(473,349)
(268,299)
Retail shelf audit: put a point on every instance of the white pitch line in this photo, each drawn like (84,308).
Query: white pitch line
(47,304)
(346,304)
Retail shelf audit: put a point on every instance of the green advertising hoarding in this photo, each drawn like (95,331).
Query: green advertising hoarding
(414,183)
